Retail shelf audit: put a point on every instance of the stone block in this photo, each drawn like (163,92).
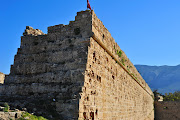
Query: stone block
(2,76)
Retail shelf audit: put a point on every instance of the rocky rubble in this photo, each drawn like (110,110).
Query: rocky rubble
(10,114)
(34,32)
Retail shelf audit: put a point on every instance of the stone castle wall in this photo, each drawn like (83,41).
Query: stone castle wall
(76,71)
(110,90)
(167,110)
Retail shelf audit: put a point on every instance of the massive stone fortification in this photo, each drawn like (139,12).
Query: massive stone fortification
(76,71)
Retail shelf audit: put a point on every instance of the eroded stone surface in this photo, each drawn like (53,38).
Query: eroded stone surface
(10,115)
(2,76)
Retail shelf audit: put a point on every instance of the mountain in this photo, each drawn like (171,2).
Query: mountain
(164,78)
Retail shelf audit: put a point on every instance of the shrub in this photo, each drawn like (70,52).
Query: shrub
(122,60)
(6,107)
(172,96)
(31,117)
(119,53)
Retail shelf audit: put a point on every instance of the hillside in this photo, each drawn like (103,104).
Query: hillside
(164,78)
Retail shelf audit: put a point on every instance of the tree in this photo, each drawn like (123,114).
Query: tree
(172,96)
(156,94)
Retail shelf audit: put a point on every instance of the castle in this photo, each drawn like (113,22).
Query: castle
(76,72)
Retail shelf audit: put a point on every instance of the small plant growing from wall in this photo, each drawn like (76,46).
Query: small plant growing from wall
(122,60)
(119,53)
(6,107)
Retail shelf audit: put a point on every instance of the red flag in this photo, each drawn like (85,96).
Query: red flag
(88,5)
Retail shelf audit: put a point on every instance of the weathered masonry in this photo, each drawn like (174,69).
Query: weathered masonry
(167,110)
(77,71)
(2,76)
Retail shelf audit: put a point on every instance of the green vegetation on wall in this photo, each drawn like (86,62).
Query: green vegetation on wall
(119,53)
(29,116)
(168,96)
(122,61)
(6,107)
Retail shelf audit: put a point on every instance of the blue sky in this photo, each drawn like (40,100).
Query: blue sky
(148,31)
